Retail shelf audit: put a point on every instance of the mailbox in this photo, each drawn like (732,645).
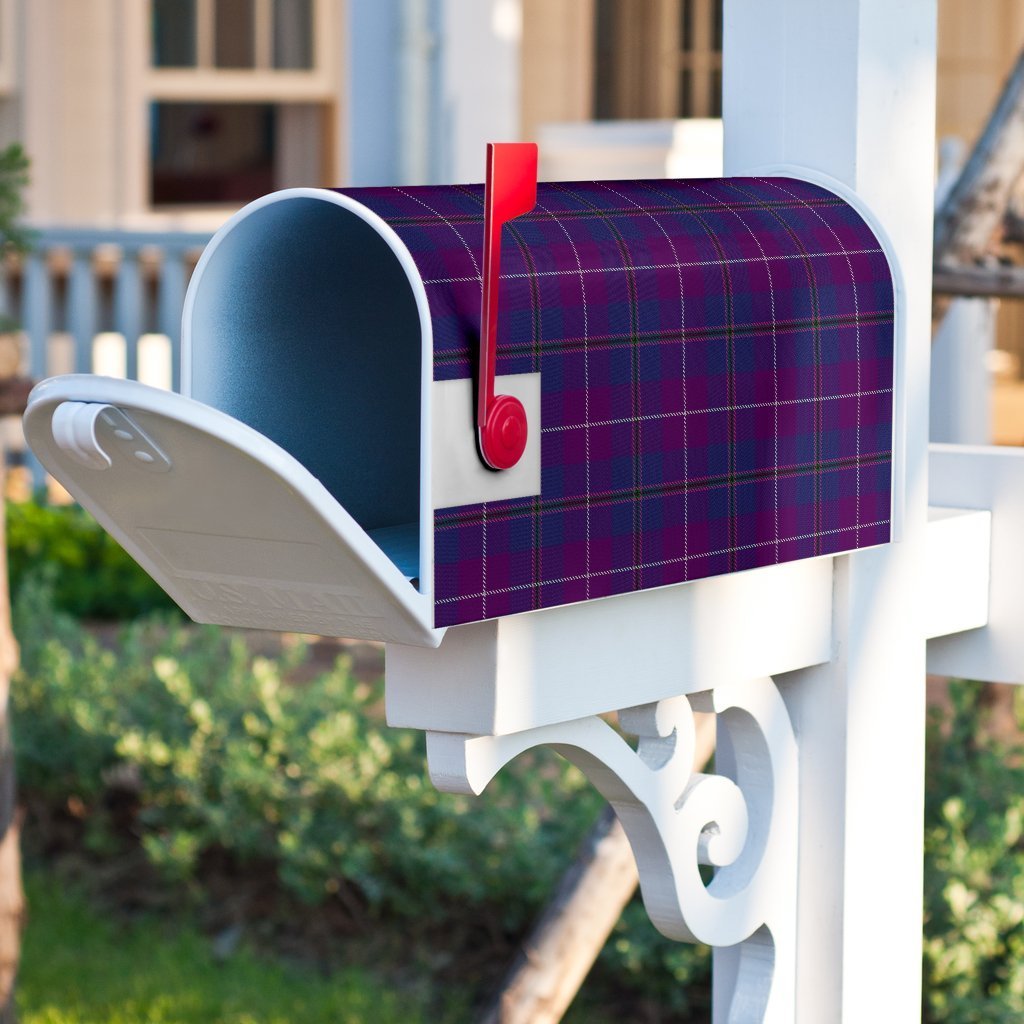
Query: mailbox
(705,368)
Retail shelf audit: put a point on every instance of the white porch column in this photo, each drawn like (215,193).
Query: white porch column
(961,382)
(375,49)
(849,89)
(479,82)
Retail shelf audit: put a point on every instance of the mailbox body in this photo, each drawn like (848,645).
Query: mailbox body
(707,367)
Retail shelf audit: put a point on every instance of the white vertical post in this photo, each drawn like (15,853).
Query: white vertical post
(416,73)
(37,312)
(171,299)
(960,410)
(37,319)
(82,308)
(479,82)
(848,89)
(961,382)
(128,308)
(373,100)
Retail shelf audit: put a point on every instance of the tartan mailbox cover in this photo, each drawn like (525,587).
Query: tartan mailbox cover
(706,368)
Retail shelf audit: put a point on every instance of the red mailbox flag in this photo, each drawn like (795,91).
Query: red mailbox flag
(511,190)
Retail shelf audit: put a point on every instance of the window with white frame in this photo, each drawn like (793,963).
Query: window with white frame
(658,58)
(242,95)
(239,34)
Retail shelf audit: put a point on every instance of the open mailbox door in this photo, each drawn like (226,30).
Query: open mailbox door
(236,530)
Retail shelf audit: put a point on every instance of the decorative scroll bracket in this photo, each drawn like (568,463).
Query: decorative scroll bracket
(743,822)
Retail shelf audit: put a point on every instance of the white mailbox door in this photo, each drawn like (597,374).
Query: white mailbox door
(231,526)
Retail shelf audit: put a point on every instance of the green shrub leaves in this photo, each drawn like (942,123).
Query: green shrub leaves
(91,575)
(974,869)
(222,754)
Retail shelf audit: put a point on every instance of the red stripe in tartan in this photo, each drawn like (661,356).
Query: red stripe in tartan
(465,515)
(712,333)
(675,265)
(565,215)
(881,525)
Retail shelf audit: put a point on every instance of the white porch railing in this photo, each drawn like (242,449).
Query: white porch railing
(99,301)
(102,301)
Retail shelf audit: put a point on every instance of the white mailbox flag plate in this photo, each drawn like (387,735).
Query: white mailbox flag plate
(236,530)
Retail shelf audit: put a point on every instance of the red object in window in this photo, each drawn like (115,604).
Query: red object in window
(510,190)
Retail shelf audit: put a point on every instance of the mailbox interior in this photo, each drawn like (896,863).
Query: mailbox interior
(305,321)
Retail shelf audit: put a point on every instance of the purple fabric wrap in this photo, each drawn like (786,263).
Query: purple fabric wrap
(716,362)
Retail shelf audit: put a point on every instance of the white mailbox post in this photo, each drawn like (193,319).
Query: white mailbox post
(850,88)
(817,915)
(257,502)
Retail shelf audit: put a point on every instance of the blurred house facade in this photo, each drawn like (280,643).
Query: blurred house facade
(172,113)
(164,113)
(150,121)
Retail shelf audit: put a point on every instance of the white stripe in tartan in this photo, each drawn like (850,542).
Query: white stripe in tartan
(774,404)
(476,266)
(723,262)
(761,206)
(634,341)
(856,323)
(586,399)
(682,356)
(683,265)
(670,561)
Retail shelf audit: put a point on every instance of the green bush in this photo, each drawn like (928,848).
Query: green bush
(974,869)
(227,757)
(90,573)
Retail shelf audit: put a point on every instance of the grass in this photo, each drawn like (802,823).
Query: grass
(79,968)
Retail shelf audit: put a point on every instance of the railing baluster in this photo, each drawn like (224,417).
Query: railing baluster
(5,290)
(36,312)
(35,303)
(82,308)
(170,300)
(133,310)
(128,308)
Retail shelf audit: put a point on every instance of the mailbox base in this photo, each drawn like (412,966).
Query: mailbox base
(506,675)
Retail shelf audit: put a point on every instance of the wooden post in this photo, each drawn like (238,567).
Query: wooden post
(12,901)
(849,90)
(561,948)
(967,224)
(13,395)
(960,410)
(997,281)
(977,203)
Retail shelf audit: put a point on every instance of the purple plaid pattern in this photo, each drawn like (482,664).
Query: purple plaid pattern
(716,362)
